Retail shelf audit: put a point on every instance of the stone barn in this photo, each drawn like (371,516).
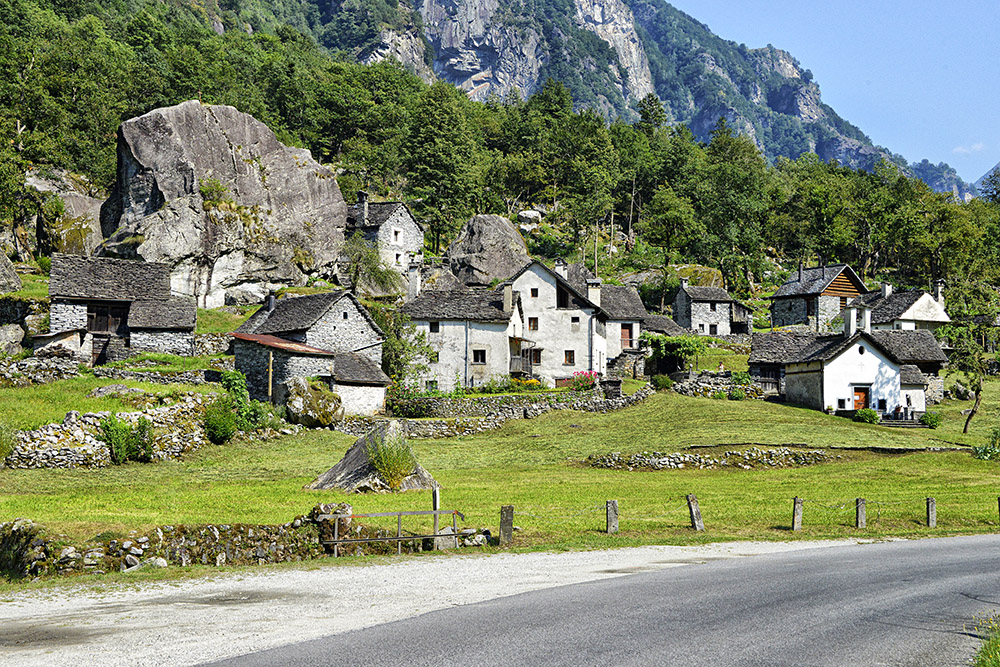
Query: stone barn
(391,227)
(812,297)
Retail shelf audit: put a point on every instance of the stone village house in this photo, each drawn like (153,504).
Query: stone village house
(710,311)
(815,296)
(476,335)
(893,371)
(104,309)
(330,336)
(910,309)
(391,227)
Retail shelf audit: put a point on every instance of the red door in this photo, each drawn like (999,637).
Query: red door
(626,336)
(861,398)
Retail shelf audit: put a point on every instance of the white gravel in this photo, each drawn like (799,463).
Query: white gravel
(194,621)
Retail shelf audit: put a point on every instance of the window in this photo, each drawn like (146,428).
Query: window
(574,320)
(882,404)
(395,236)
(532,324)
(569,357)
(479,356)
(562,297)
(399,258)
(434,356)
(534,292)
(536,356)
(841,403)
(713,306)
(713,329)
(435,327)
(431,385)
(345,314)
(701,328)
(810,307)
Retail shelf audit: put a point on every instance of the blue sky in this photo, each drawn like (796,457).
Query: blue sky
(918,77)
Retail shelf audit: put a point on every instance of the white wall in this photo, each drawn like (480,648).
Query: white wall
(557,332)
(614,337)
(359,399)
(851,368)
(455,341)
(917,396)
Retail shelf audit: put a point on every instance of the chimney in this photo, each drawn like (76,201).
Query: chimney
(508,297)
(866,320)
(269,301)
(684,283)
(414,281)
(800,271)
(560,268)
(363,203)
(850,322)
(939,291)
(594,291)
(886,290)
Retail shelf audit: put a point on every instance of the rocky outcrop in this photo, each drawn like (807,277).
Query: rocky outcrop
(311,406)
(75,226)
(9,280)
(613,22)
(356,474)
(488,248)
(409,48)
(212,192)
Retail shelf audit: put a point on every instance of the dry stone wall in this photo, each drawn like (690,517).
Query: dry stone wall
(708,383)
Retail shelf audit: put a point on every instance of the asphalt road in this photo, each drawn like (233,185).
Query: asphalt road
(897,603)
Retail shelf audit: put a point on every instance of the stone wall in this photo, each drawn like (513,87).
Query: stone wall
(708,383)
(935,389)
(36,370)
(628,364)
(64,315)
(788,312)
(703,317)
(180,343)
(158,377)
(829,309)
(360,399)
(211,344)
(337,333)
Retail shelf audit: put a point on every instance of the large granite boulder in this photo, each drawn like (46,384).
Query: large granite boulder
(9,280)
(488,248)
(310,405)
(75,227)
(212,192)
(356,474)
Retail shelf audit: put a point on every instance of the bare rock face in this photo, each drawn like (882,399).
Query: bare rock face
(9,280)
(355,474)
(407,47)
(212,192)
(77,229)
(488,248)
(612,21)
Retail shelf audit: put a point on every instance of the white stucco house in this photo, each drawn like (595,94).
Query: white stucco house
(906,310)
(895,372)
(476,335)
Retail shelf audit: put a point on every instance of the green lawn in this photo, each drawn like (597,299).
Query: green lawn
(165,363)
(536,465)
(33,286)
(221,321)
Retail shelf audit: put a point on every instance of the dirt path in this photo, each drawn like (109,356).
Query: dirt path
(193,621)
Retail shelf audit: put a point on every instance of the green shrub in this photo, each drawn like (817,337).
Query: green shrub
(45,264)
(8,438)
(991,450)
(126,442)
(737,394)
(392,457)
(661,382)
(932,419)
(867,416)
(220,420)
(742,378)
(583,380)
(502,384)
(719,395)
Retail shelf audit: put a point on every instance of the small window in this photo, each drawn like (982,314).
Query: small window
(536,356)
(569,357)
(435,327)
(701,328)
(574,320)
(713,329)
(431,385)
(395,236)
(399,258)
(713,306)
(810,307)
(532,324)
(434,356)
(479,356)
(345,314)
(861,349)
(882,404)
(562,297)
(841,403)
(534,292)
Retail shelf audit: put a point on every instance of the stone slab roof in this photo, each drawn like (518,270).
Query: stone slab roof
(911,347)
(353,368)
(282,344)
(910,374)
(299,313)
(814,280)
(779,347)
(663,325)
(177,312)
(707,293)
(378,213)
(622,302)
(475,305)
(108,279)
(886,310)
(903,347)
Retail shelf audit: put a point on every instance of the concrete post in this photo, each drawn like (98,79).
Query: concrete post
(931,513)
(797,514)
(695,512)
(860,520)
(612,510)
(506,524)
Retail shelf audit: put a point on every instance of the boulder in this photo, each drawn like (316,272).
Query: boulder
(488,248)
(355,473)
(9,280)
(77,229)
(11,336)
(212,192)
(310,405)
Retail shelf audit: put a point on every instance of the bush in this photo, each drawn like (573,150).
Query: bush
(932,419)
(583,380)
(719,395)
(126,442)
(991,450)
(741,378)
(8,438)
(737,394)
(45,264)
(392,457)
(867,416)
(220,420)
(498,385)
(661,382)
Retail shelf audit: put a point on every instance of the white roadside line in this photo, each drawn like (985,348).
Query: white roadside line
(194,621)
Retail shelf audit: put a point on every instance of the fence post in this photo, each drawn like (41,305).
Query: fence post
(695,512)
(797,513)
(506,524)
(436,506)
(860,520)
(931,513)
(612,508)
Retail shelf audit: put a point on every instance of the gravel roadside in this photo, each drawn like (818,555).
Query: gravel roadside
(195,621)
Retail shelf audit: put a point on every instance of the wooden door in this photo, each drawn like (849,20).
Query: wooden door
(861,398)
(627,337)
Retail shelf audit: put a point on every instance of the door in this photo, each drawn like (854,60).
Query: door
(626,336)
(861,398)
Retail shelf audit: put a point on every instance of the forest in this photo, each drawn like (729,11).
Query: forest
(644,191)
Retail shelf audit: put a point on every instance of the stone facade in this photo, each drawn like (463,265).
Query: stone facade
(210,344)
(180,343)
(66,315)
(399,240)
(934,393)
(628,364)
(457,343)
(342,328)
(792,311)
(708,383)
(701,316)
(252,361)
(360,399)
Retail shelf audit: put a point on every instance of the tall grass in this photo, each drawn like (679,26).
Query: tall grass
(989,631)
(392,457)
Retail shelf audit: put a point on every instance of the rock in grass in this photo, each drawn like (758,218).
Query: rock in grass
(9,280)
